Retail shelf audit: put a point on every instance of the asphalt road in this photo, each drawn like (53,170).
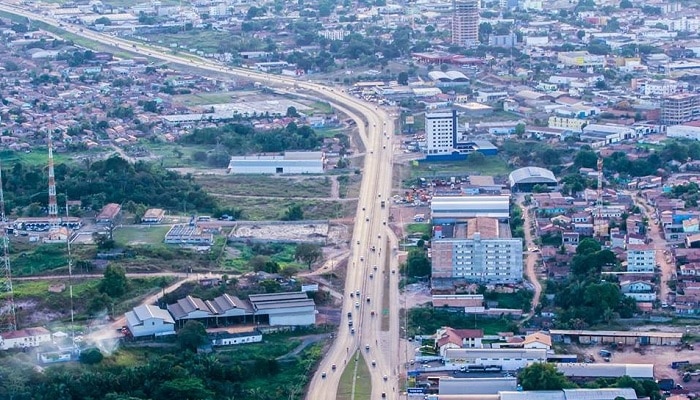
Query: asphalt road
(369,231)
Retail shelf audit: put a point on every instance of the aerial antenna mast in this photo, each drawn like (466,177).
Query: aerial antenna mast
(9,322)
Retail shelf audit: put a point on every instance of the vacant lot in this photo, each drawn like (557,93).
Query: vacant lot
(259,209)
(140,235)
(198,99)
(492,165)
(266,186)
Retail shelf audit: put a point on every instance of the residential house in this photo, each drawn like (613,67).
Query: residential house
(640,291)
(537,340)
(450,338)
(225,338)
(108,214)
(24,338)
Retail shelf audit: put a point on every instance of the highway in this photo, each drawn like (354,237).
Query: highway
(376,129)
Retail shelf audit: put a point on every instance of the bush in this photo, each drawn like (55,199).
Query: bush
(91,356)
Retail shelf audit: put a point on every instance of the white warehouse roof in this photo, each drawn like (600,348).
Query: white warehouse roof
(583,370)
(449,76)
(531,175)
(470,206)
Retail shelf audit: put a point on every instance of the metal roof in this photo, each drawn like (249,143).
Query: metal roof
(531,175)
(656,334)
(451,385)
(585,370)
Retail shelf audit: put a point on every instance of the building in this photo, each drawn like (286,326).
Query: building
(292,162)
(584,371)
(525,179)
(109,213)
(506,359)
(450,338)
(288,309)
(233,338)
(485,253)
(471,303)
(640,291)
(223,309)
(465,22)
(188,234)
(569,394)
(627,338)
(24,338)
(147,320)
(689,130)
(680,108)
(580,59)
(641,258)
(476,386)
(153,216)
(574,124)
(460,208)
(440,132)
(537,340)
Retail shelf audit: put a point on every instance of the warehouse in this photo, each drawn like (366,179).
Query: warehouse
(188,234)
(447,210)
(449,385)
(565,394)
(147,320)
(525,179)
(288,309)
(584,371)
(506,359)
(627,338)
(292,162)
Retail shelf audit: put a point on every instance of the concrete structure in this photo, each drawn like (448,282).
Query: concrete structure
(109,213)
(476,386)
(234,338)
(147,320)
(625,337)
(472,303)
(638,290)
(507,359)
(580,59)
(488,254)
(292,162)
(583,371)
(24,338)
(465,22)
(460,208)
(440,132)
(570,394)
(153,216)
(289,309)
(680,108)
(641,258)
(188,234)
(685,131)
(574,124)
(524,179)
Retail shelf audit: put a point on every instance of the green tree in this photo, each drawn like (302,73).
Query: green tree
(293,213)
(476,158)
(520,129)
(192,335)
(581,34)
(92,355)
(292,112)
(308,253)
(402,79)
(586,159)
(189,388)
(103,21)
(543,376)
(114,283)
(417,264)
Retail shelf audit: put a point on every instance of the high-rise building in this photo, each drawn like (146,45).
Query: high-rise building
(465,22)
(679,108)
(484,252)
(440,132)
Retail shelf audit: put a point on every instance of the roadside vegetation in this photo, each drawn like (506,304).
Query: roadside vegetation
(426,320)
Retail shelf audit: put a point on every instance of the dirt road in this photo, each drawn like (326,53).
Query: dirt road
(531,257)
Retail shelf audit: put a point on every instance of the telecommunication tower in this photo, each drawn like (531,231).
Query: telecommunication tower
(53,204)
(8,320)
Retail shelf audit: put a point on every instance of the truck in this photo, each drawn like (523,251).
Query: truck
(679,364)
(666,384)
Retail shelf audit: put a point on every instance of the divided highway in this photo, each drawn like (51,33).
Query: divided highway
(372,243)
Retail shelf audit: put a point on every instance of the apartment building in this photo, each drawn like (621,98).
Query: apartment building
(482,251)
(574,124)
(440,132)
(640,258)
(680,108)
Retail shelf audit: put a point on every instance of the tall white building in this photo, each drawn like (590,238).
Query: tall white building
(640,258)
(440,132)
(465,22)
(484,253)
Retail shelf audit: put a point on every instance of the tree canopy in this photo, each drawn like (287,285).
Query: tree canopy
(543,376)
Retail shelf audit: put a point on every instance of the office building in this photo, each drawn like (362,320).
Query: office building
(465,23)
(641,258)
(440,132)
(680,108)
(484,251)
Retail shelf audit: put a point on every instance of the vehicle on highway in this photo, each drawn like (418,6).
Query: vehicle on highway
(366,219)
(368,299)
(352,331)
(386,378)
(333,367)
(383,395)
(374,363)
(357,305)
(323,375)
(358,242)
(367,347)
(349,323)
(393,271)
(372,313)
(375,267)
(371,275)
(349,314)
(357,292)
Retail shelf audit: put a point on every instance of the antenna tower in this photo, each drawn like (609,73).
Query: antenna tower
(9,322)
(53,204)
(599,200)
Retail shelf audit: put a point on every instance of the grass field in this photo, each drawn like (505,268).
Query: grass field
(493,165)
(425,320)
(263,185)
(38,156)
(261,209)
(167,156)
(360,379)
(349,186)
(423,229)
(283,254)
(322,107)
(198,99)
(134,235)
(43,258)
(202,40)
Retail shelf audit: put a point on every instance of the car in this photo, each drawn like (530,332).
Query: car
(358,242)
(368,299)
(323,375)
(384,222)
(384,147)
(352,331)
(393,271)
(333,367)
(357,304)
(350,323)
(379,236)
(375,267)
(363,209)
(350,313)
(379,195)
(362,258)
(357,292)
(383,395)
(367,219)
(371,313)
(367,347)
(371,275)
(425,366)
(374,248)
(374,363)
(386,378)
(351,294)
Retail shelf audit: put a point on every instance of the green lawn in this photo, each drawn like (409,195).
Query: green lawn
(361,380)
(198,99)
(423,229)
(43,258)
(38,156)
(322,107)
(492,165)
(144,234)
(283,254)
(167,154)
(259,209)
(425,320)
(207,41)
